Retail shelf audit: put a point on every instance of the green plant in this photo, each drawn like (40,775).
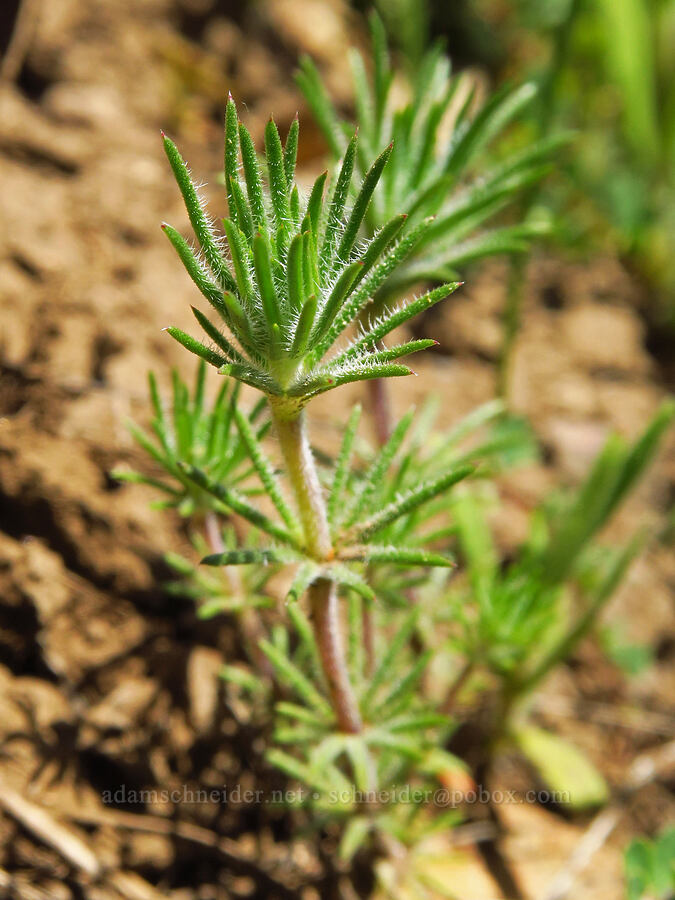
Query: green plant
(367,538)
(650,867)
(440,166)
(605,69)
(446,163)
(520,621)
(294,281)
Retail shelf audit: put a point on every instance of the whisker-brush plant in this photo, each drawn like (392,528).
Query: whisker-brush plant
(294,278)
(342,665)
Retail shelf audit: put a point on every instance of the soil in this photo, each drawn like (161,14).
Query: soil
(105,680)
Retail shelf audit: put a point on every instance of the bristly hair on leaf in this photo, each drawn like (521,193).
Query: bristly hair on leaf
(295,274)
(431,173)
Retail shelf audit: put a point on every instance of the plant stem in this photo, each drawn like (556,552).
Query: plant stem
(301,469)
(325,614)
(380,408)
(511,323)
(518,264)
(464,673)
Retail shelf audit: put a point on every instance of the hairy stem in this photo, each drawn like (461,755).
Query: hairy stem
(301,470)
(325,614)
(304,479)
(380,408)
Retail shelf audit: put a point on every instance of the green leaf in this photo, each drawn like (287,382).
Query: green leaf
(382,73)
(411,499)
(263,270)
(305,575)
(352,580)
(277,174)
(389,322)
(242,678)
(240,260)
(266,473)
(381,240)
(301,713)
(231,353)
(336,207)
(476,541)
(574,780)
(390,660)
(361,204)
(417,722)
(290,675)
(231,500)
(369,286)
(322,108)
(304,327)
(295,769)
(353,837)
(328,381)
(403,689)
(231,160)
(398,352)
(336,297)
(137,478)
(361,763)
(202,227)
(403,556)
(314,203)
(291,150)
(342,464)
(500,109)
(256,197)
(196,347)
(242,218)
(195,269)
(566,643)
(362,98)
(244,558)
(294,273)
(372,480)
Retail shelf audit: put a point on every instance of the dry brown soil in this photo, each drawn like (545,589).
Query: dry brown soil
(104,679)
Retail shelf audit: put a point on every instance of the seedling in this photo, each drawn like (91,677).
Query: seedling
(365,538)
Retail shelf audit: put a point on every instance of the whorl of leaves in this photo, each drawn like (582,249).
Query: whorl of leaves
(291,273)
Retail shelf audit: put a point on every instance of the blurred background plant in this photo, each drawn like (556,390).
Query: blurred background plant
(605,69)
(650,867)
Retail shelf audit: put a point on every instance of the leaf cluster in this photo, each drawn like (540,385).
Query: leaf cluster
(197,433)
(440,137)
(650,867)
(520,623)
(296,274)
